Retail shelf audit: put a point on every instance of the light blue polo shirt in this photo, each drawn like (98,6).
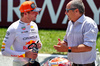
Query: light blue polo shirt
(83,31)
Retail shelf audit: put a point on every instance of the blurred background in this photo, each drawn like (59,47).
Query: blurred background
(52,15)
(52,21)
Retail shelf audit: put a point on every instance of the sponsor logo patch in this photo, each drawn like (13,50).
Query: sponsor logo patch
(32,37)
(23,28)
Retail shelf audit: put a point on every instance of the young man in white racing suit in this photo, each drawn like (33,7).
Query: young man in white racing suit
(21,34)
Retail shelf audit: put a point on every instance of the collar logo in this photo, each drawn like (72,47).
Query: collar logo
(32,26)
(23,28)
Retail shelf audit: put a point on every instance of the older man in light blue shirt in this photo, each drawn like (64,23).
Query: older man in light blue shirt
(80,38)
(83,31)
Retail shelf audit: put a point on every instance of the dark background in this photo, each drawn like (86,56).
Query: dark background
(46,19)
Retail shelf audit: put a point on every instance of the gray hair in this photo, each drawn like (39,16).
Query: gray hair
(78,4)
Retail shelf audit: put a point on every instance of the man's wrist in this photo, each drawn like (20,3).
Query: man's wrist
(69,49)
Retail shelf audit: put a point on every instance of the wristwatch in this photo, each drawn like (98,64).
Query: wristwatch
(69,49)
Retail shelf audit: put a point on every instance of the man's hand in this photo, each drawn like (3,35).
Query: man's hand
(30,54)
(39,45)
(61,46)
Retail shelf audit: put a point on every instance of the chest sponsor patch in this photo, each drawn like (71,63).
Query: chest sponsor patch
(32,37)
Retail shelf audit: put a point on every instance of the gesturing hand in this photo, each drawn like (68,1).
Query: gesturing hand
(61,46)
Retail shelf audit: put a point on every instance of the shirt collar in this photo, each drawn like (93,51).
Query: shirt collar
(26,24)
(81,19)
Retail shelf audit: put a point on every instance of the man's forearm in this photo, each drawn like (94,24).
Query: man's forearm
(81,48)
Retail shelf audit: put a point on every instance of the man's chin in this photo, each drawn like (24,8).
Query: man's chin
(34,19)
(69,19)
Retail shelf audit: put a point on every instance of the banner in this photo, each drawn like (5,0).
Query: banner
(52,15)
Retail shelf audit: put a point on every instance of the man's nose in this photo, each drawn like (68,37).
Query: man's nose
(66,13)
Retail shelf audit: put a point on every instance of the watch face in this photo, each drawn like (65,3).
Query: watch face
(69,50)
(32,5)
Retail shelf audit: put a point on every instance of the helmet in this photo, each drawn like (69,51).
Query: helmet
(58,61)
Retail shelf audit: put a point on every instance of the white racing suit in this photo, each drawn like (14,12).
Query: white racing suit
(20,35)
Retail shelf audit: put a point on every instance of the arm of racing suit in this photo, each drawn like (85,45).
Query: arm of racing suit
(8,41)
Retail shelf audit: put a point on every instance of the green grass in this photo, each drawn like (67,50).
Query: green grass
(49,38)
(98,41)
(2,35)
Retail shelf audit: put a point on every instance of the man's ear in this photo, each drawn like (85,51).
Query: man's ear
(76,10)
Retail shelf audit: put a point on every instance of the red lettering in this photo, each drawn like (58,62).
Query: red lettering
(25,48)
(14,55)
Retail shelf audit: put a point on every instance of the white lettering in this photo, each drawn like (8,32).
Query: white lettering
(48,3)
(95,11)
(54,17)
(65,20)
(0,10)
(11,9)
